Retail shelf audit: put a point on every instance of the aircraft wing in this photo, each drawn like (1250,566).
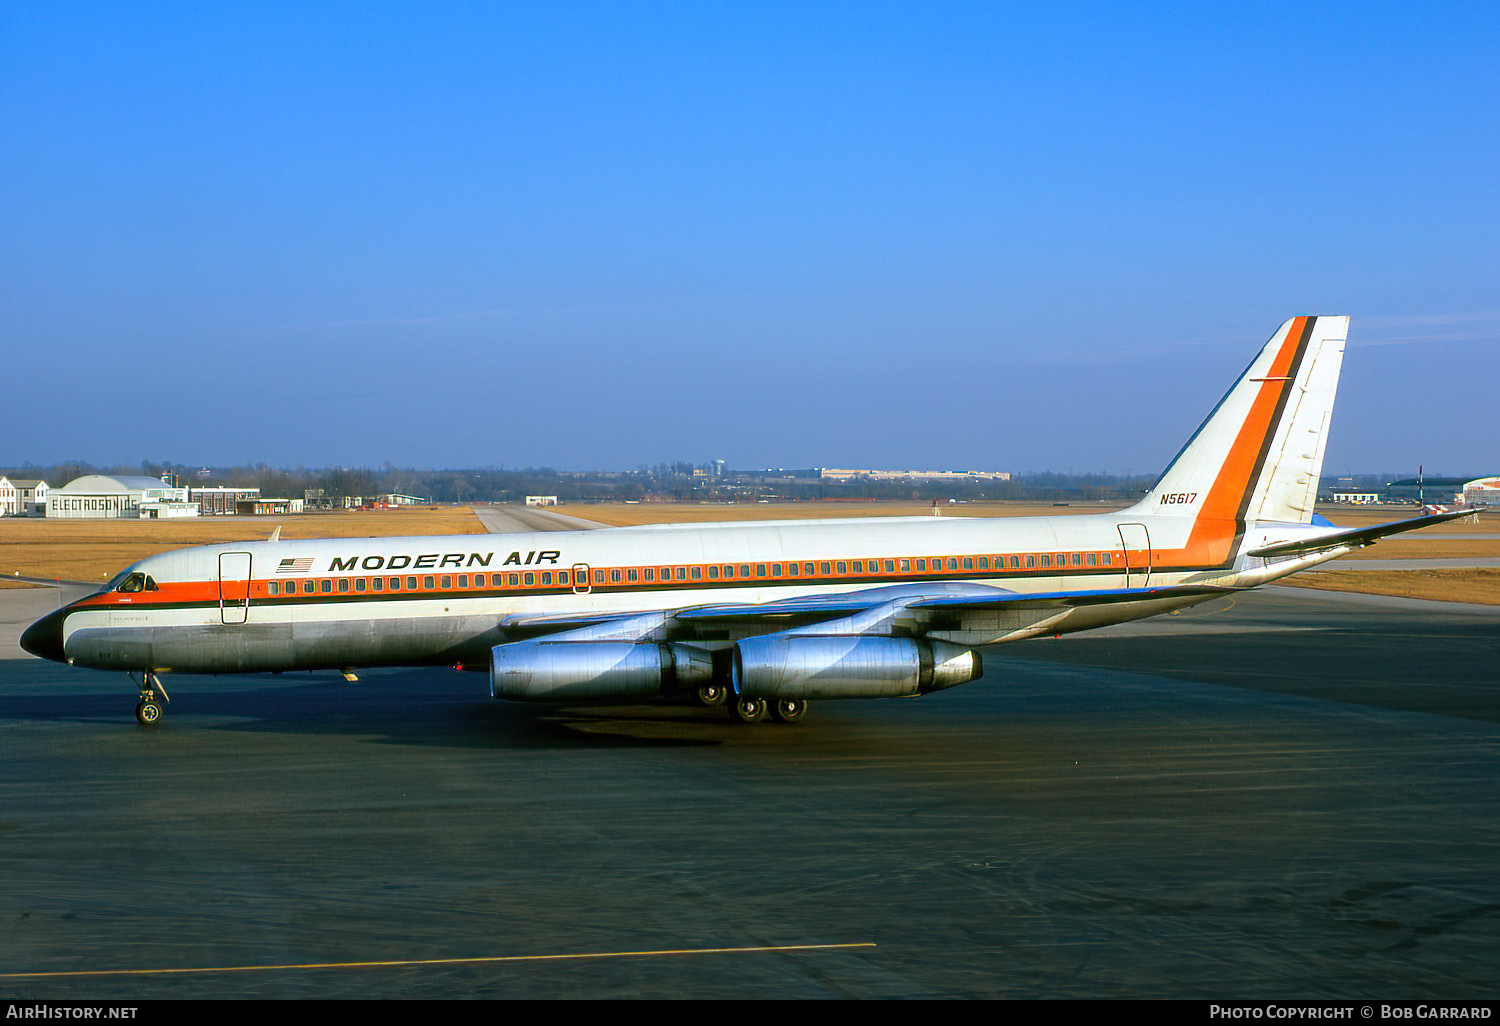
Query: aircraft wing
(911,609)
(1359,537)
(902,640)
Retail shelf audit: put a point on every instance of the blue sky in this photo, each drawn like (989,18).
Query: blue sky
(993,236)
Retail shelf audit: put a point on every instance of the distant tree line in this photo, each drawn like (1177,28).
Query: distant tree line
(680,481)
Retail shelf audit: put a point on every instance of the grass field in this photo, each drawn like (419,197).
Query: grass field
(622,514)
(94,550)
(1480,584)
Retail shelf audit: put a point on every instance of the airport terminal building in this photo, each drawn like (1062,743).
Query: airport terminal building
(101,497)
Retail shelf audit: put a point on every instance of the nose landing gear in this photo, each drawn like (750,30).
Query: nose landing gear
(147,709)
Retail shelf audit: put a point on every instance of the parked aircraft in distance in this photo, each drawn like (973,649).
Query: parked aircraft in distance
(762,617)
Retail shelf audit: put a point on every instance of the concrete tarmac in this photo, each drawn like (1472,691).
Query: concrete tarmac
(1290,794)
(514,519)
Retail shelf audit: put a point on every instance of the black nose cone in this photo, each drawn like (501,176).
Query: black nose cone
(45,637)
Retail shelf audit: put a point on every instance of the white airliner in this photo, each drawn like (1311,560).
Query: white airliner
(762,617)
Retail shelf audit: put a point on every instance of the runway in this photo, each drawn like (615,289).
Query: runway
(1292,797)
(511,519)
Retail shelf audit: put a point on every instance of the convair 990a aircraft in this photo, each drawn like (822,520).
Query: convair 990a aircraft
(762,617)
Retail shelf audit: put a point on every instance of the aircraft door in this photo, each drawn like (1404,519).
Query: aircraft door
(581,583)
(234,587)
(1136,542)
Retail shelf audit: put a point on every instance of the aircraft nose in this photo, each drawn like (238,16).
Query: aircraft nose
(45,637)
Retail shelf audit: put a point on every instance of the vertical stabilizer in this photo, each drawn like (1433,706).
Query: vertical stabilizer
(1259,454)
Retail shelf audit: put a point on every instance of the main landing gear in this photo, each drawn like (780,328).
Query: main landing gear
(751,710)
(755,710)
(147,709)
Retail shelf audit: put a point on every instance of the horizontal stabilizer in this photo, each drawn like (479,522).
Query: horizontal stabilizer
(1359,537)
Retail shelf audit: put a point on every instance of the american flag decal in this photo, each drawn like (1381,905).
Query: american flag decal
(295,566)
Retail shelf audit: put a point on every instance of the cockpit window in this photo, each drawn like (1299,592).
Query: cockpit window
(133,583)
(151,583)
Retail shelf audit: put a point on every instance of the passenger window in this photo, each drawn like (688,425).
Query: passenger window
(478,580)
(968,563)
(984,563)
(1105,558)
(307,587)
(775,569)
(921,564)
(760,570)
(1074,559)
(463,580)
(547,577)
(272,587)
(649,573)
(530,579)
(792,569)
(343,584)
(682,573)
(411,583)
(905,565)
(953,564)
(447,583)
(614,577)
(1015,562)
(843,568)
(713,573)
(745,570)
(890,566)
(823,569)
(1030,562)
(514,580)
(631,576)
(359,584)
(728,572)
(1093,559)
(859,566)
(378,584)
(1046,559)
(598,576)
(427,583)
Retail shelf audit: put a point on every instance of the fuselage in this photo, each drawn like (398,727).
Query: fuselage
(448,599)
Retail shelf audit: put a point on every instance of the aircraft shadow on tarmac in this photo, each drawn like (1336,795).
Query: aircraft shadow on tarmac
(412,707)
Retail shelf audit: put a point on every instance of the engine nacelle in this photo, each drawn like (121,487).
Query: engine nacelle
(793,666)
(593,671)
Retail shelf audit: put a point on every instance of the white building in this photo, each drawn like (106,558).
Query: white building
(1484,491)
(22,496)
(99,496)
(541,500)
(945,476)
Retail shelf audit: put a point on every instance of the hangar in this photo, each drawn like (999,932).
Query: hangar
(1484,491)
(102,497)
